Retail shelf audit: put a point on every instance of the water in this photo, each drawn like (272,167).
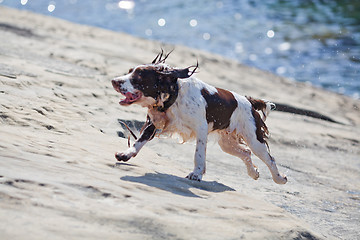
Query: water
(315,41)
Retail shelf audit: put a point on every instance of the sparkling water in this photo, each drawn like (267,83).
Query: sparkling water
(307,40)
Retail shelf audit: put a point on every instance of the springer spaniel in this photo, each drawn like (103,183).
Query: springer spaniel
(179,103)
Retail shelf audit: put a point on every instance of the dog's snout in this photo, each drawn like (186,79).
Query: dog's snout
(117,83)
(113,82)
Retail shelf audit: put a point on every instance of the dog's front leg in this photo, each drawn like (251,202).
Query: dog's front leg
(200,154)
(147,133)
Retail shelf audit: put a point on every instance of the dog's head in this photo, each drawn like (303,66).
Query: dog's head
(150,84)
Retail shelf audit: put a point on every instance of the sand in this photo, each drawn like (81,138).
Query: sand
(59,131)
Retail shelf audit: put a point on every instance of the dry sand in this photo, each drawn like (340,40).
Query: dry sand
(59,132)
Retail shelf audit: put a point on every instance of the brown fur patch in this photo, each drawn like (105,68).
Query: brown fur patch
(262,131)
(258,104)
(261,128)
(159,119)
(220,107)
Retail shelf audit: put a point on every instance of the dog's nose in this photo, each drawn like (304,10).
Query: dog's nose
(117,84)
(114,83)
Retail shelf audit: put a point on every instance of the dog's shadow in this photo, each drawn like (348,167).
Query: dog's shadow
(177,185)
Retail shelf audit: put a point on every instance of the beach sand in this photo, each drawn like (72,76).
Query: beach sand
(59,129)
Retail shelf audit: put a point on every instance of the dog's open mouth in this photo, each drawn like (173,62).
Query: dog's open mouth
(130,98)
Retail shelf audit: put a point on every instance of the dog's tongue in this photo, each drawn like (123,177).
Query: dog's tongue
(129,98)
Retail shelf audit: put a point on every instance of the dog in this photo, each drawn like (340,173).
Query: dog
(180,103)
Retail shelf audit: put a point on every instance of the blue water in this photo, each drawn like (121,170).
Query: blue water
(314,41)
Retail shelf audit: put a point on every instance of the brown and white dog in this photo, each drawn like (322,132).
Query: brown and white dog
(179,103)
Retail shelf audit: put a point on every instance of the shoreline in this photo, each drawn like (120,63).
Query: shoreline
(60,127)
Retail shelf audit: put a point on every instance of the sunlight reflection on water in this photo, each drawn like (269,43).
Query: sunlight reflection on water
(193,23)
(51,6)
(317,42)
(270,34)
(161,22)
(127,5)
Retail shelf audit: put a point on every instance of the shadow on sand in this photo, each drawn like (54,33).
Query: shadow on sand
(177,185)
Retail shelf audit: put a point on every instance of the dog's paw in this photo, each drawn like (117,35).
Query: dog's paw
(194,176)
(125,156)
(122,157)
(280,179)
(254,173)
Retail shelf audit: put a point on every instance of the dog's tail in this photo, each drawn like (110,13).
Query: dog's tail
(269,107)
(262,105)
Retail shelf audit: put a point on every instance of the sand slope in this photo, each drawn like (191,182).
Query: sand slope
(59,131)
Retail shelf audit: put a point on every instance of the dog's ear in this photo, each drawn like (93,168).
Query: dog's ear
(181,72)
(185,72)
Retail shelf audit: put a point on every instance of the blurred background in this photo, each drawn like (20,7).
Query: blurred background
(316,41)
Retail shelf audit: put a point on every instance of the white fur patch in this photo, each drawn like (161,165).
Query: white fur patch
(126,84)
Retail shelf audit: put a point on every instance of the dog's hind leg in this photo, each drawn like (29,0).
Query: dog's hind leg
(229,143)
(261,151)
